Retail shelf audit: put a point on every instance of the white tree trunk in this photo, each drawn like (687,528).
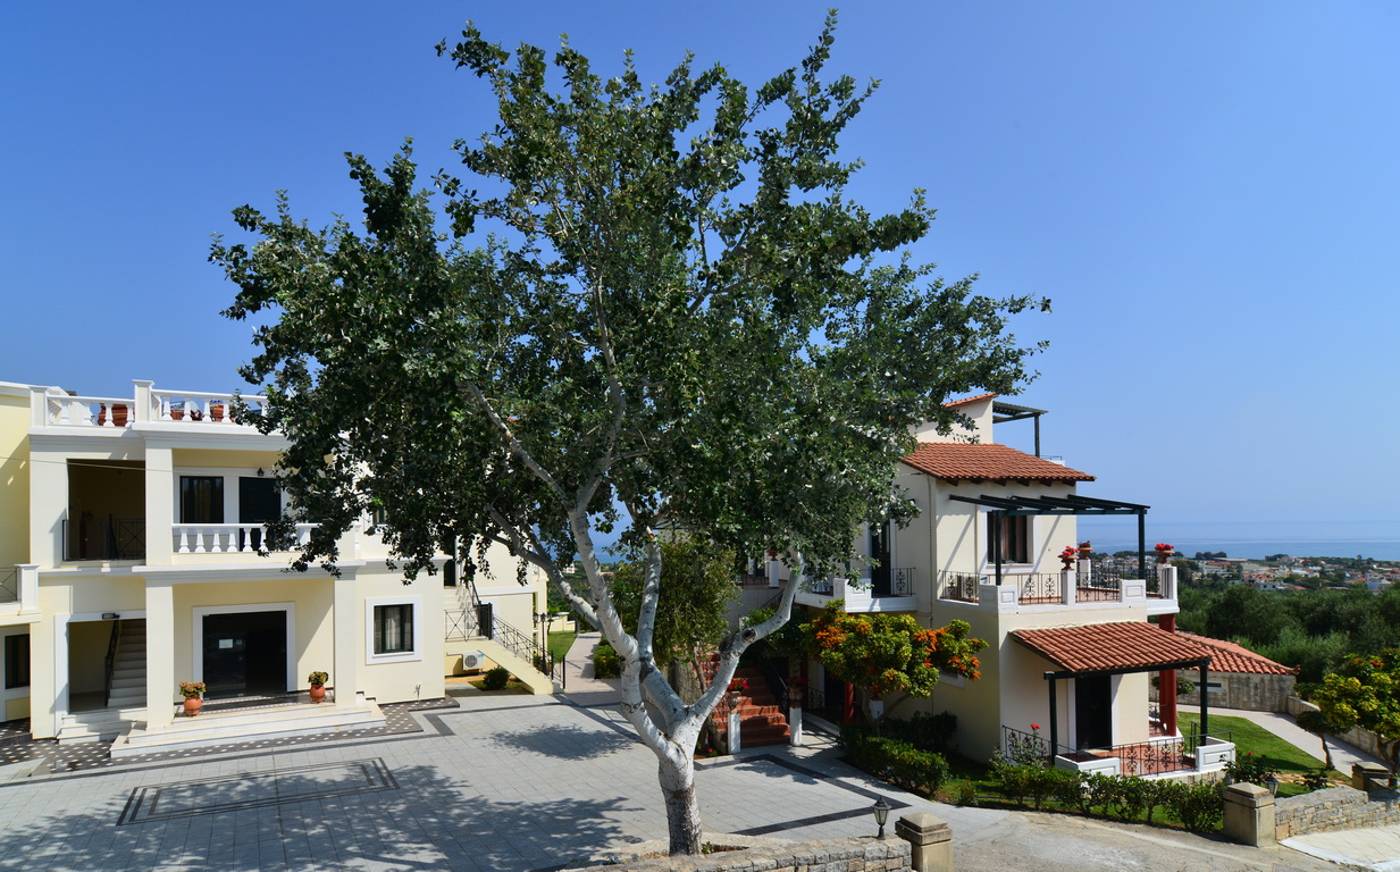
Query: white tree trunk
(682,808)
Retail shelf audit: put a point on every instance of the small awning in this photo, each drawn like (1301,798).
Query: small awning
(1127,646)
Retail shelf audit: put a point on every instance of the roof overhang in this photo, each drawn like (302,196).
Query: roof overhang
(1068,504)
(1117,648)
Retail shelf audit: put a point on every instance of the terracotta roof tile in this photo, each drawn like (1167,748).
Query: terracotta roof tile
(1098,647)
(1229,657)
(965,400)
(961,461)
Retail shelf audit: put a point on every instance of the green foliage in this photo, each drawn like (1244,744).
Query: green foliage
(1249,766)
(316,678)
(606,662)
(1316,779)
(1313,630)
(885,653)
(1200,807)
(929,732)
(697,586)
(1366,692)
(895,760)
(496,678)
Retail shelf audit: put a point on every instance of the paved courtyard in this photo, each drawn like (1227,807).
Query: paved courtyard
(510,783)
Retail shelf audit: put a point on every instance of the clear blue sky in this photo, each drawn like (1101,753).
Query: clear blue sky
(1207,192)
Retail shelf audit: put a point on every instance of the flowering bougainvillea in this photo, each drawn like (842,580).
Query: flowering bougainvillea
(882,654)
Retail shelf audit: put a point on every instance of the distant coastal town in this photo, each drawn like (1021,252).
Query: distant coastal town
(1276,571)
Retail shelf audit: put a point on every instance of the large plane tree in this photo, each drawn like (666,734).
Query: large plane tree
(631,308)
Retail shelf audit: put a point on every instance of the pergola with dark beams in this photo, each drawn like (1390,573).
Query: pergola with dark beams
(1003,412)
(1070,504)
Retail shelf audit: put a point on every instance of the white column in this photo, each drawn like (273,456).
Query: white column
(795,726)
(28,587)
(1166,581)
(346,619)
(163,674)
(1068,586)
(160,505)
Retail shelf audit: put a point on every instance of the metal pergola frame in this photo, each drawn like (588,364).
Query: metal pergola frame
(1003,412)
(1069,504)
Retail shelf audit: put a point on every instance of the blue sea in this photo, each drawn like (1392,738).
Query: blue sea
(1379,540)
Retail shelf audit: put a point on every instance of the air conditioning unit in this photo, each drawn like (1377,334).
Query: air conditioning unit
(473,660)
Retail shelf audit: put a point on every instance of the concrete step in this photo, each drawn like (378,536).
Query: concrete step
(220,728)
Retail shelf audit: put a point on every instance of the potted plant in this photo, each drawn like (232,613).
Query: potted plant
(177,410)
(193,692)
(216,410)
(318,685)
(1085,549)
(101,414)
(1164,552)
(1067,557)
(119,414)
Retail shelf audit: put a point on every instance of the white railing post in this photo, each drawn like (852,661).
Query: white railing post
(1069,586)
(144,404)
(1166,581)
(28,592)
(38,407)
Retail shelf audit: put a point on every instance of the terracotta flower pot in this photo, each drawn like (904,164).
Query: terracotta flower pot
(101,414)
(192,706)
(119,414)
(216,411)
(177,414)
(318,692)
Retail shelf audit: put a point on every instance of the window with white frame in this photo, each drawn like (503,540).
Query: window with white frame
(393,629)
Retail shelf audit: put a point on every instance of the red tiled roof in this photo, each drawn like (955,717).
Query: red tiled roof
(965,400)
(1229,657)
(1100,647)
(962,461)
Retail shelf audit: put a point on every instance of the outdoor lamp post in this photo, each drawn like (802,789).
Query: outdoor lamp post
(882,814)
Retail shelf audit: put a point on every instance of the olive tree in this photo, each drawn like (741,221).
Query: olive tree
(631,308)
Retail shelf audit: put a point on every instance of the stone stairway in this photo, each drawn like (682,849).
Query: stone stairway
(761,719)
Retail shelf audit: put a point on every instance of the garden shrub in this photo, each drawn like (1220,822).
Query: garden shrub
(607,663)
(927,732)
(496,679)
(1156,793)
(1200,806)
(896,761)
(1250,767)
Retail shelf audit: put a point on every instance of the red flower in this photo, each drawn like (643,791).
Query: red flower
(1035,727)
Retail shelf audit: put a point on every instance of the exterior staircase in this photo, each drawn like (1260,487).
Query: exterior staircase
(762,720)
(128,688)
(508,648)
(126,693)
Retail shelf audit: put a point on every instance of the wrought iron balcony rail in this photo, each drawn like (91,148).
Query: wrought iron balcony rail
(1151,757)
(9,585)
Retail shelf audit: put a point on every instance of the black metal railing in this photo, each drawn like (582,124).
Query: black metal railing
(902,582)
(110,664)
(960,586)
(1098,583)
(775,678)
(109,539)
(1036,587)
(529,649)
(815,698)
(9,585)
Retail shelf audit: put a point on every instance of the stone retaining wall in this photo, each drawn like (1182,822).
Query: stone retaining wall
(1336,808)
(830,855)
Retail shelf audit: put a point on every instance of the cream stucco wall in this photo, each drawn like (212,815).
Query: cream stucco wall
(14,474)
(417,678)
(981,431)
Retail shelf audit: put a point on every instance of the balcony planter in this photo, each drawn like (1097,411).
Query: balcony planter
(1085,549)
(177,411)
(193,692)
(119,414)
(216,410)
(317,680)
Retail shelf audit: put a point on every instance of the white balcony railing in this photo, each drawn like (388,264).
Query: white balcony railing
(52,407)
(197,406)
(227,538)
(73,411)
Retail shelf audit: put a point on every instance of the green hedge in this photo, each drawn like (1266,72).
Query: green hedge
(895,760)
(495,679)
(926,732)
(1200,807)
(606,662)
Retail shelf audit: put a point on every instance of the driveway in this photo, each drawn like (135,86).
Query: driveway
(512,783)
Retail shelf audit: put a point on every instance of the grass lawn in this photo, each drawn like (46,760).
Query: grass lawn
(560,641)
(1249,737)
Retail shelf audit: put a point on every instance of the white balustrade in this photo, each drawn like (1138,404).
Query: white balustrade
(78,411)
(227,538)
(198,406)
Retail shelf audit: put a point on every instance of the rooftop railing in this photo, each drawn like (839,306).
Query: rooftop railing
(51,407)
